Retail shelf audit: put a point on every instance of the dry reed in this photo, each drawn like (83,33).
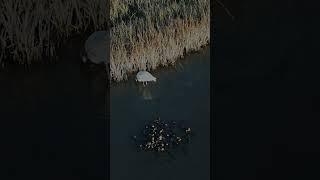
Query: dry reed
(144,33)
(149,33)
(32,29)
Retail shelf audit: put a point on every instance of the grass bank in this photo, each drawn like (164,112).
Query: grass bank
(33,29)
(144,33)
(149,33)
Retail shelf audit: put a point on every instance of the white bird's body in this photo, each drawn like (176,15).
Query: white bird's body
(96,48)
(144,77)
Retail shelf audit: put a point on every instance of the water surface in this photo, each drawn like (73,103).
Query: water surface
(181,93)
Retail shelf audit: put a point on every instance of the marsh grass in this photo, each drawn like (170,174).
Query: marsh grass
(146,34)
(33,29)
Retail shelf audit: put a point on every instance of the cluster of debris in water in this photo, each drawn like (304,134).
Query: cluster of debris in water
(161,136)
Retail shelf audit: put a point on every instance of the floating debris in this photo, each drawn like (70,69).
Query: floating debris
(161,136)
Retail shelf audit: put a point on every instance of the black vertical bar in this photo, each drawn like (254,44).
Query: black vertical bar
(108,93)
(212,119)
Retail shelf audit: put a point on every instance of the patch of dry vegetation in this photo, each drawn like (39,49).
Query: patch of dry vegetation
(144,33)
(149,33)
(32,29)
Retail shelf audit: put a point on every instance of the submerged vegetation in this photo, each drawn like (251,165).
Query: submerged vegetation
(32,29)
(162,137)
(149,33)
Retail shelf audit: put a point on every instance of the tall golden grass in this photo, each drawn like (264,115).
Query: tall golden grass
(149,33)
(33,29)
(144,33)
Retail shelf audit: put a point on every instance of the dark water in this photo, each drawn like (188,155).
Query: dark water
(53,119)
(266,95)
(181,94)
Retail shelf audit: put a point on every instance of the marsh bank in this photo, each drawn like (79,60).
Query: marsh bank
(144,34)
